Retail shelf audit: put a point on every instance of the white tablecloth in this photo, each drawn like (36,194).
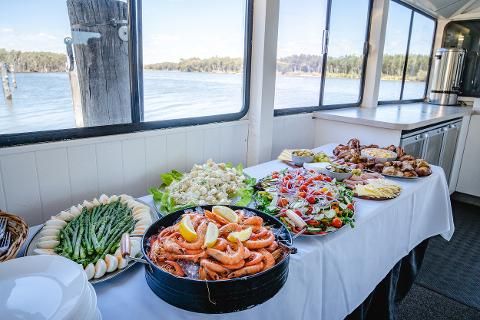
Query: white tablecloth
(329,276)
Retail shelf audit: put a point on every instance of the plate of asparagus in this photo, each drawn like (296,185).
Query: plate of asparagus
(90,234)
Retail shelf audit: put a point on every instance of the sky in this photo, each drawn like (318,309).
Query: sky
(175,29)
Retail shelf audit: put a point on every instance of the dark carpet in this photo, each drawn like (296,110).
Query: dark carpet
(452,268)
(424,304)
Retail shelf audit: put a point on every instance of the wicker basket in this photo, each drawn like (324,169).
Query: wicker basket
(19,231)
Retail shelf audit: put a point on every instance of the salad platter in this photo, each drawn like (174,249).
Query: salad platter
(208,183)
(90,233)
(306,201)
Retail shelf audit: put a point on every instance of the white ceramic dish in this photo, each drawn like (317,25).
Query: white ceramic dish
(317,166)
(24,282)
(390,157)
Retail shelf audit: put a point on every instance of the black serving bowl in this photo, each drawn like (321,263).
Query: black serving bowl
(222,296)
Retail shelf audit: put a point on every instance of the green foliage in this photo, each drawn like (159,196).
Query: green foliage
(34,61)
(213,64)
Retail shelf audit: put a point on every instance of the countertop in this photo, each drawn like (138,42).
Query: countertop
(398,117)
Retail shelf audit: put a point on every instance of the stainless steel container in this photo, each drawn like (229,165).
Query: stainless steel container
(447,75)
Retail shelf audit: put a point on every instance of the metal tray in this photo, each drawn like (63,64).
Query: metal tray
(33,241)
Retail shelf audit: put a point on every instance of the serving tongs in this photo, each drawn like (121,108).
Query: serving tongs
(126,249)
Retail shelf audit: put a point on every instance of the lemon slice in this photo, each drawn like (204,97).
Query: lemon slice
(243,235)
(186,229)
(225,212)
(211,236)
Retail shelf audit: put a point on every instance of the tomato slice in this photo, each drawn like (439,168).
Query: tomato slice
(311,199)
(302,194)
(303,187)
(336,222)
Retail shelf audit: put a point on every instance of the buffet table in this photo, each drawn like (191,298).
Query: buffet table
(329,276)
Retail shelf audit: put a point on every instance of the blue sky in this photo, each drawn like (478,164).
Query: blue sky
(174,29)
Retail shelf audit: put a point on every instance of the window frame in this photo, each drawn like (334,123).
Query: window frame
(137,124)
(321,106)
(407,52)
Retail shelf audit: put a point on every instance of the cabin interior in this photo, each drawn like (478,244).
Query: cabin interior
(137,88)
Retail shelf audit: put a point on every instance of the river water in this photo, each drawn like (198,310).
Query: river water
(43,101)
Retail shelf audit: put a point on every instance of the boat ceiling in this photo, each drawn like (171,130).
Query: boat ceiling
(449,9)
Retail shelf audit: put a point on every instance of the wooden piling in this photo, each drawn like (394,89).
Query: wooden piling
(14,77)
(102,63)
(7,93)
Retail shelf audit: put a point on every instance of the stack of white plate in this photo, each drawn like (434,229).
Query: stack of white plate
(46,287)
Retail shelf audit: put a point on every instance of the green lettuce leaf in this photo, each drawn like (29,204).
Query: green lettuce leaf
(245,197)
(169,177)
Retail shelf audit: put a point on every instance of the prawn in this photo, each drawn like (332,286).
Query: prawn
(234,266)
(262,243)
(228,228)
(202,274)
(197,244)
(255,258)
(273,246)
(268,259)
(178,269)
(213,266)
(226,258)
(245,271)
(215,217)
(171,246)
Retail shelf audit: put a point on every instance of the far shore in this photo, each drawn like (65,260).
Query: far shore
(286,74)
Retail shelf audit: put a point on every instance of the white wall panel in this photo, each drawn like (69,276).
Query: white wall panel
(134,167)
(21,186)
(292,132)
(3,204)
(110,167)
(37,181)
(156,158)
(233,144)
(54,180)
(195,146)
(212,147)
(82,164)
(177,151)
(328,131)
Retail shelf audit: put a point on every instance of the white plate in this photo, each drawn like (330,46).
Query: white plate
(25,281)
(32,245)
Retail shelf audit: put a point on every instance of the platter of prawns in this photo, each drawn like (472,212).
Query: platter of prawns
(219,243)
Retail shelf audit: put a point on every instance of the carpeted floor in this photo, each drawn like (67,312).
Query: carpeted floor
(448,286)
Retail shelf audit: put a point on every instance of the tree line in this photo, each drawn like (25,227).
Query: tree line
(34,61)
(348,66)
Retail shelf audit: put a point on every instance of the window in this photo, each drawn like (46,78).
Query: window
(81,74)
(44,95)
(193,55)
(345,59)
(312,37)
(407,52)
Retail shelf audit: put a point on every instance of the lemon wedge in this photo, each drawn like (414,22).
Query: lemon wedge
(211,236)
(243,235)
(186,229)
(226,212)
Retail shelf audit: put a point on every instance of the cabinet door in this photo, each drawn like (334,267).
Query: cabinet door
(468,180)
(433,146)
(414,145)
(449,147)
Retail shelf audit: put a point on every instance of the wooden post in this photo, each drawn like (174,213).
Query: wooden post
(102,63)
(5,84)
(14,77)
